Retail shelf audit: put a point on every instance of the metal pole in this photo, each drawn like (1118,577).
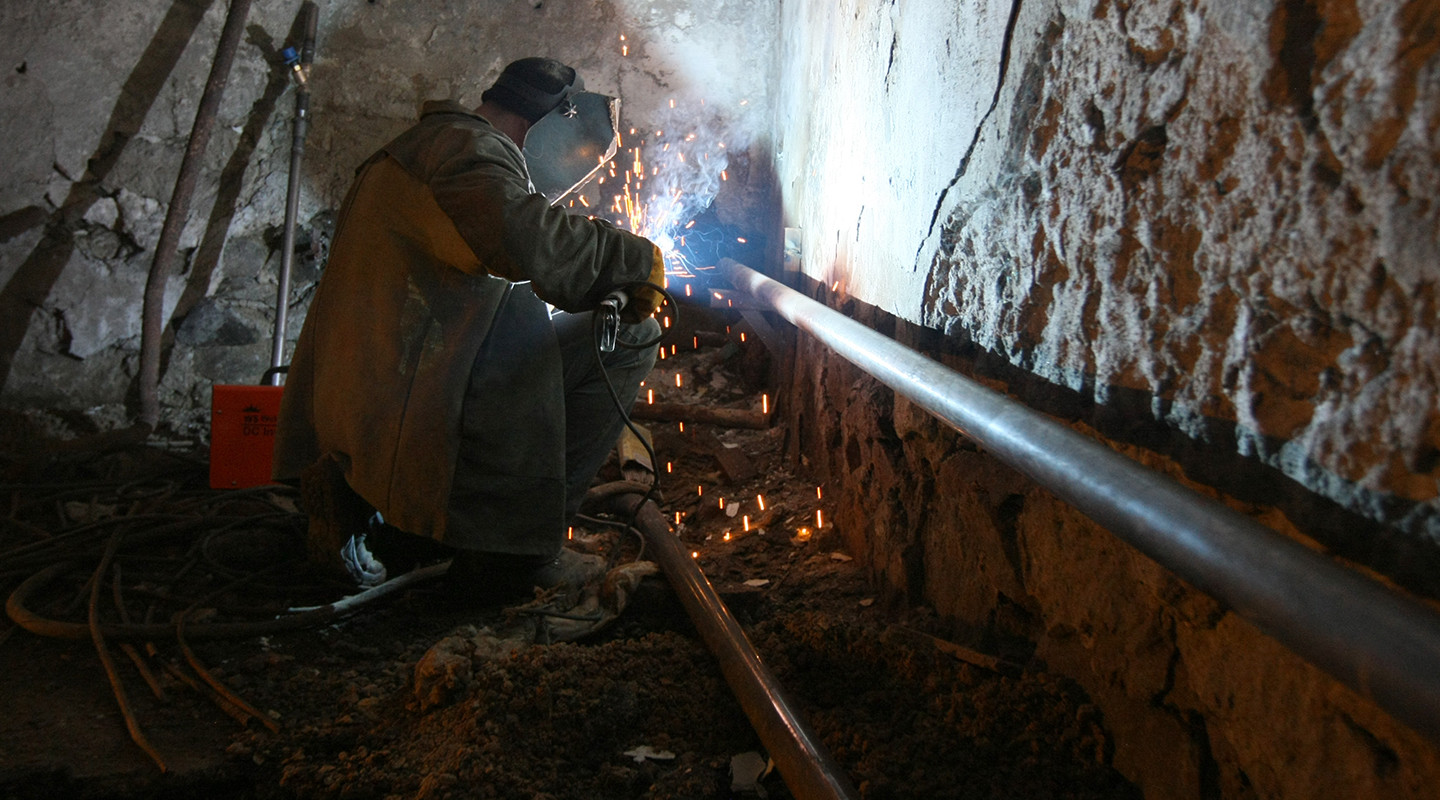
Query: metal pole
(292,191)
(152,322)
(1382,644)
(808,770)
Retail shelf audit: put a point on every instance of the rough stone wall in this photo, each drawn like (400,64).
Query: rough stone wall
(96,110)
(1230,208)
(1200,704)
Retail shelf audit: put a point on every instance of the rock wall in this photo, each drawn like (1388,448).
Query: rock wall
(97,106)
(1227,208)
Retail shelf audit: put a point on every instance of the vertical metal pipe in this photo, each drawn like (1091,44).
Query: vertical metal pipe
(1382,644)
(152,320)
(292,192)
(808,770)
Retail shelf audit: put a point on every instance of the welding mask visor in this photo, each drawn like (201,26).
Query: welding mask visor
(567,146)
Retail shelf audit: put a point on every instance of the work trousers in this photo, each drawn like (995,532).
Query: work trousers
(531,444)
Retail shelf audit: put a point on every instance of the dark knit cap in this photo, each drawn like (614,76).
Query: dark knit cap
(532,87)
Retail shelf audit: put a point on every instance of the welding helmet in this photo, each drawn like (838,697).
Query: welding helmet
(573,133)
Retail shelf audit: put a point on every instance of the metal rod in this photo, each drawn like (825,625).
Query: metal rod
(292,192)
(808,770)
(152,318)
(1382,644)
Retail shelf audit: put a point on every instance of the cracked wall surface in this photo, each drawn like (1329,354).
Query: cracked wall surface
(1204,232)
(97,107)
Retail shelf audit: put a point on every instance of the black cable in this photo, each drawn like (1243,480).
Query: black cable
(667,299)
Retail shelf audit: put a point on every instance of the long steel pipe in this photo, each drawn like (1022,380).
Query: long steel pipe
(1382,644)
(808,770)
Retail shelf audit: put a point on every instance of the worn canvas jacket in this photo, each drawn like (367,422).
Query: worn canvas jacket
(435,232)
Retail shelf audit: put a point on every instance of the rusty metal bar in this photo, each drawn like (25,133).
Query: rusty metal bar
(152,318)
(808,770)
(1379,642)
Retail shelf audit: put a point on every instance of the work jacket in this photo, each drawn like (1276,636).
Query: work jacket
(435,234)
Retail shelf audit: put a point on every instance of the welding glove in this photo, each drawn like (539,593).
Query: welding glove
(645,300)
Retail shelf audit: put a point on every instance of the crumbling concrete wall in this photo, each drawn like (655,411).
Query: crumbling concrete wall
(97,106)
(1203,231)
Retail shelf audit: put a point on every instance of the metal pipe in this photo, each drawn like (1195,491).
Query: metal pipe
(152,316)
(808,770)
(292,192)
(1382,644)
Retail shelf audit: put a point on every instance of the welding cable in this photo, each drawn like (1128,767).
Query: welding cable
(653,493)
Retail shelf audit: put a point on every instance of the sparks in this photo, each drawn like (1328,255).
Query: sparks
(669,466)
(677,375)
(745,520)
(819,520)
(760,499)
(700,490)
(765,404)
(650,396)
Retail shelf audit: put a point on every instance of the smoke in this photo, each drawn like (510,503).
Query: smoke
(672,173)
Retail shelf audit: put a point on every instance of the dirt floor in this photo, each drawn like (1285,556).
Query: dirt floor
(422,695)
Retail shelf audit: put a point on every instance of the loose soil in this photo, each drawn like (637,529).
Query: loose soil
(638,709)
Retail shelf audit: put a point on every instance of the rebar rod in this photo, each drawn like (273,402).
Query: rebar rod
(808,770)
(1379,642)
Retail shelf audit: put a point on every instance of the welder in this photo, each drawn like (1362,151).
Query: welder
(445,385)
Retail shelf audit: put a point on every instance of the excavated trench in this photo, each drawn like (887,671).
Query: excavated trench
(419,694)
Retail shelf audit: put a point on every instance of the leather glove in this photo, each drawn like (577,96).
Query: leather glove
(645,301)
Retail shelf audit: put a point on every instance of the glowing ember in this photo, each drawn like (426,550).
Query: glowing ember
(803,534)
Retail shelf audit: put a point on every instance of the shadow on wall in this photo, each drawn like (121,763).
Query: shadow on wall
(231,179)
(30,286)
(1128,418)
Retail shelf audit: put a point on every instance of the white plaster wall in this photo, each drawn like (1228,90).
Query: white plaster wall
(878,104)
